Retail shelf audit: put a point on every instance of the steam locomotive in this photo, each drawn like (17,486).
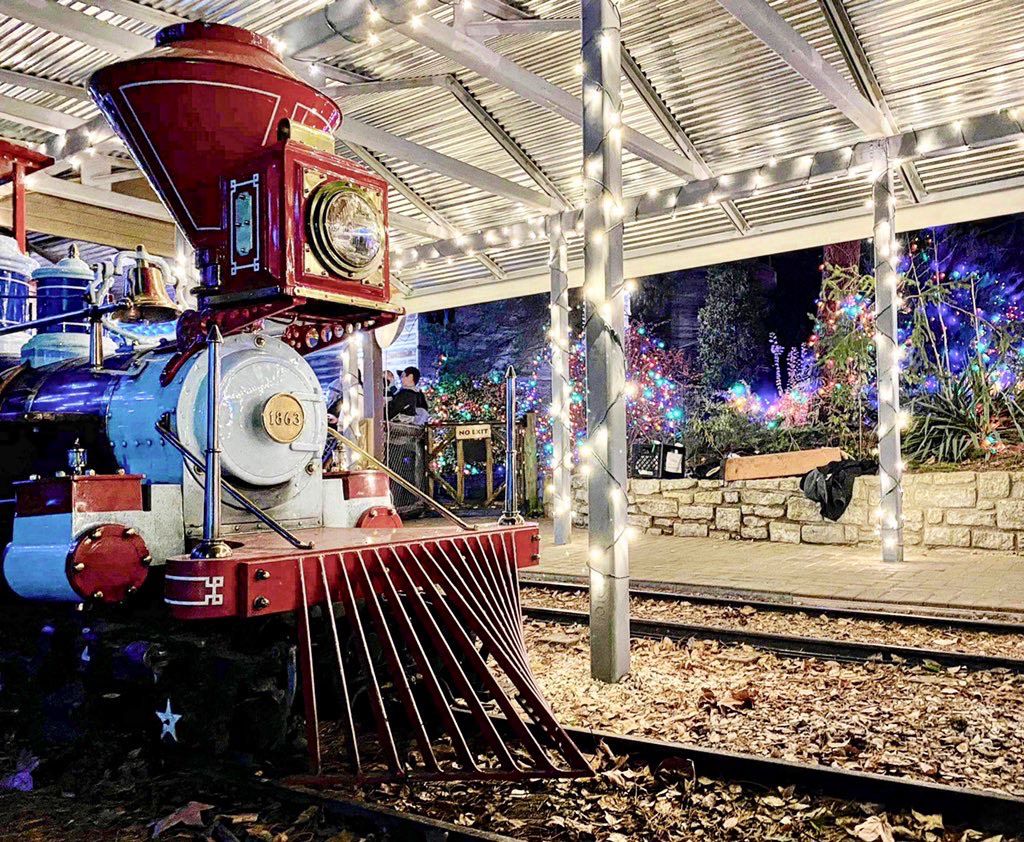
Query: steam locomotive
(186,565)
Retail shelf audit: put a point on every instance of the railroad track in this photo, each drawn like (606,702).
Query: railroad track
(362,816)
(667,592)
(979,809)
(789,645)
(991,812)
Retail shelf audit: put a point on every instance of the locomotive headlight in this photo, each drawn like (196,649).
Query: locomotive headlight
(346,229)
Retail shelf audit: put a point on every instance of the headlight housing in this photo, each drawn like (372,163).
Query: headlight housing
(346,230)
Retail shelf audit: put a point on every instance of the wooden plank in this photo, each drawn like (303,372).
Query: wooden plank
(530,473)
(769,465)
(76,221)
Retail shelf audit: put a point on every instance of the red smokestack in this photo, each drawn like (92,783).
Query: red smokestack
(201,105)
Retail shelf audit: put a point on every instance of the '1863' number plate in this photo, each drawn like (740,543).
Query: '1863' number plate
(283,418)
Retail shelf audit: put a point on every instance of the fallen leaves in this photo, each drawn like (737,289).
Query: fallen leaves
(952,726)
(804,624)
(191,815)
(874,829)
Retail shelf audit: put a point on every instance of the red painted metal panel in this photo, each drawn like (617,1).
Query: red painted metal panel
(108,564)
(357,484)
(61,495)
(260,577)
(204,102)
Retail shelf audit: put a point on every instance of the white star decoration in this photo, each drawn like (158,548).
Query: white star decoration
(168,722)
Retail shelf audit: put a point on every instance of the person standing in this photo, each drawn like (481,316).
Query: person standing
(409,406)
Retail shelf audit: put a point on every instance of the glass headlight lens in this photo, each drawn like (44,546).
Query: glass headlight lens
(346,230)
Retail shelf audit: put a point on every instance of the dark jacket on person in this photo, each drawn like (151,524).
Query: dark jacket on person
(408,405)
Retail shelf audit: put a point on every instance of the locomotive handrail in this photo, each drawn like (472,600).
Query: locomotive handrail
(72,315)
(408,486)
(244,501)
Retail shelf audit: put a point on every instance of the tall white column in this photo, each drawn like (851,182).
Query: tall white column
(887,358)
(605,329)
(561,390)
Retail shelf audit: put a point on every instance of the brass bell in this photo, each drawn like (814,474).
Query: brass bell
(147,293)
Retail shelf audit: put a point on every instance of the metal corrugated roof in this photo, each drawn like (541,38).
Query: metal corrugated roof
(738,102)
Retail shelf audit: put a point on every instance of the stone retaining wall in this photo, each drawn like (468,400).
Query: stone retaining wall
(962,509)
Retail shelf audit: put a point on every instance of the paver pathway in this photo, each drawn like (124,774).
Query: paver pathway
(946,578)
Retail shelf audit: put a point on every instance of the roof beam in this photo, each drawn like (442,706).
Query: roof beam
(48,185)
(61,20)
(36,116)
(137,11)
(351,19)
(773,30)
(1005,197)
(863,73)
(501,9)
(420,204)
(379,140)
(531,26)
(667,120)
(38,83)
(81,137)
(805,170)
(385,86)
(505,140)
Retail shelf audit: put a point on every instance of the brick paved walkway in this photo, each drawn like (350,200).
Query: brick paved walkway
(941,578)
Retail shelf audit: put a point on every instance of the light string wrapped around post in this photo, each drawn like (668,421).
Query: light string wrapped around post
(605,327)
(561,388)
(887,357)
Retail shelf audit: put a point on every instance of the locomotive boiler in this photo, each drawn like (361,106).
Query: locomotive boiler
(172,522)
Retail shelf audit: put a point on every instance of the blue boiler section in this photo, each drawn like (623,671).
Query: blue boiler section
(113,413)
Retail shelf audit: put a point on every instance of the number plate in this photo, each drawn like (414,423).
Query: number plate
(283,418)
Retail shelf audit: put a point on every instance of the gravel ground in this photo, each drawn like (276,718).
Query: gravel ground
(802,624)
(941,724)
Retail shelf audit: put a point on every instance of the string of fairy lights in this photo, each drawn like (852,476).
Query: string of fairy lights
(818,170)
(887,361)
(604,289)
(561,386)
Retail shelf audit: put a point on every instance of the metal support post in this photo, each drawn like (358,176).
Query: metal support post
(887,357)
(374,400)
(18,209)
(351,396)
(605,328)
(96,320)
(510,514)
(561,423)
(212,546)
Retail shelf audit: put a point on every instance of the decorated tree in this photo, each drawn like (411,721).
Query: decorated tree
(659,382)
(732,336)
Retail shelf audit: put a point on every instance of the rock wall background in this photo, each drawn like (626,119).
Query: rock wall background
(961,509)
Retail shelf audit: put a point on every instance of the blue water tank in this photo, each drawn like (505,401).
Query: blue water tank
(15,271)
(62,288)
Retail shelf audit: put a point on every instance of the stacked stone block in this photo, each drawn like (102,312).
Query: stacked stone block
(964,509)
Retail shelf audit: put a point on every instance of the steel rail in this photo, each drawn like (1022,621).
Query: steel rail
(658,591)
(787,644)
(352,813)
(991,810)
